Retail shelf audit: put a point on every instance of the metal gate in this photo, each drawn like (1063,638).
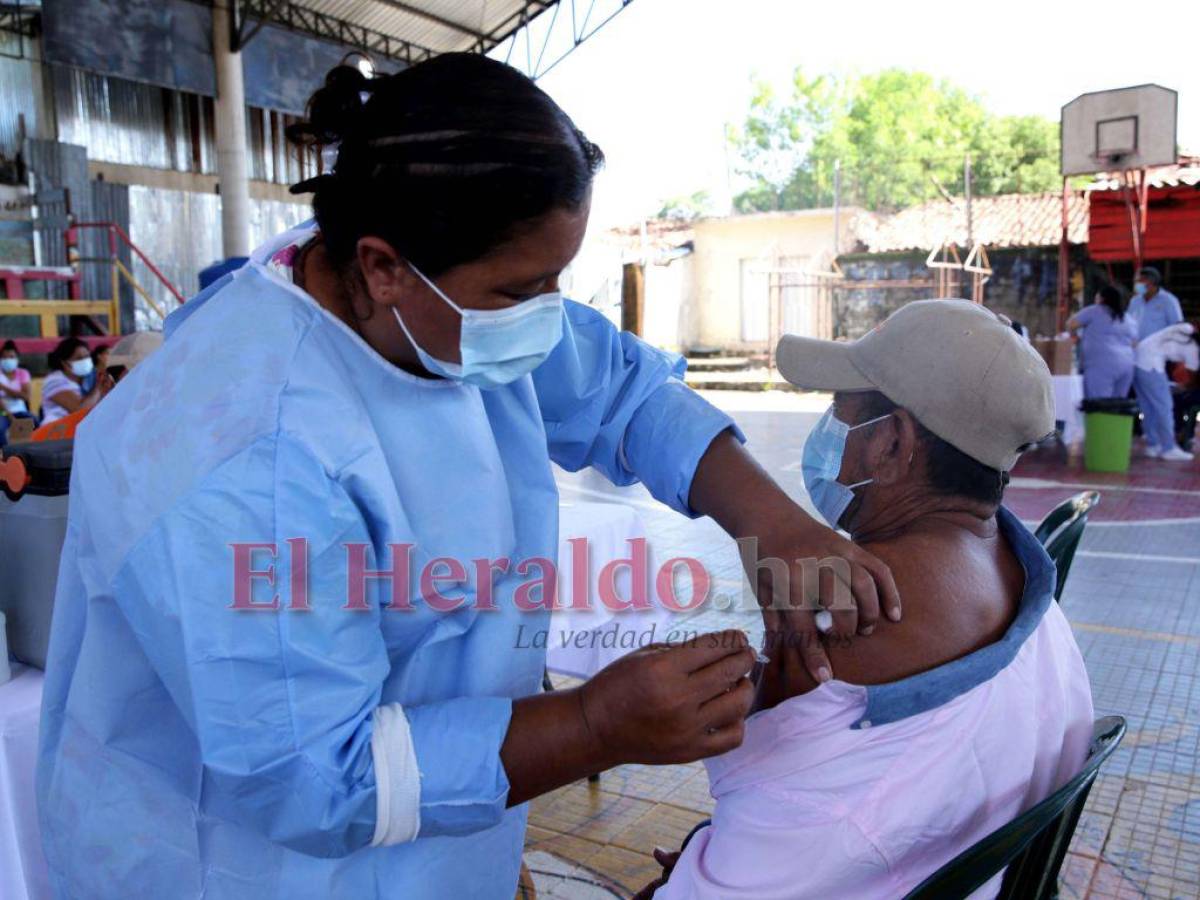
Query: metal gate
(801,303)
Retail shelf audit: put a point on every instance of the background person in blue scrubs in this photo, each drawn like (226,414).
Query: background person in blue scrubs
(1105,344)
(1154,308)
(398,375)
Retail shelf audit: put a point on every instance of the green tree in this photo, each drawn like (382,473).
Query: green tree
(899,138)
(686,208)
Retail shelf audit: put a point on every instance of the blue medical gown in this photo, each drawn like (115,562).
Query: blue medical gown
(191,750)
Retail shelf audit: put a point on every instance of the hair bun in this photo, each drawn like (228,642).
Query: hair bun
(335,111)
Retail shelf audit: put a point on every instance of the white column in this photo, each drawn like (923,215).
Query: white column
(232,169)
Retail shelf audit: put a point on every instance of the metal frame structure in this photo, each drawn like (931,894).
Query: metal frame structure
(299,18)
(817,299)
(22,20)
(980,267)
(567,32)
(549,34)
(945,260)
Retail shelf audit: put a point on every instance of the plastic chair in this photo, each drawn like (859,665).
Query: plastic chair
(1061,531)
(1034,844)
(1188,432)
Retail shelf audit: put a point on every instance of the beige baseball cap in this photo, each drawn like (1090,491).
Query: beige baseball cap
(958,367)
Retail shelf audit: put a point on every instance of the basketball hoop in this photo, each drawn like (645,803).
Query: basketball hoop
(1122,132)
(1118,130)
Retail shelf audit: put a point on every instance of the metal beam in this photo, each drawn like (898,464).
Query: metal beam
(22,20)
(293,16)
(557,35)
(436,19)
(568,32)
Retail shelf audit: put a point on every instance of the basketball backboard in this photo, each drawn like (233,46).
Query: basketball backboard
(1127,128)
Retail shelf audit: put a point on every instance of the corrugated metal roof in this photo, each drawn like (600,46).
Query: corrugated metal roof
(439,25)
(1008,220)
(1186,173)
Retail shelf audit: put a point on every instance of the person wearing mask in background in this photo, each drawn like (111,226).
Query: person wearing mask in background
(1106,337)
(14,381)
(99,366)
(128,352)
(1154,308)
(63,392)
(14,388)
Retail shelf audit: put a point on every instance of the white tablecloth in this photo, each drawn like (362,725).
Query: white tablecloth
(1068,394)
(581,642)
(22,868)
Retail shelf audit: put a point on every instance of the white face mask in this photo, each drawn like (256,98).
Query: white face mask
(497,346)
(8,364)
(82,368)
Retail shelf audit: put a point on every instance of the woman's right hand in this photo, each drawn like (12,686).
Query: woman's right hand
(672,703)
(104,384)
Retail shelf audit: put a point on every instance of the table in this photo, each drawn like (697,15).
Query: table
(22,868)
(1068,394)
(581,642)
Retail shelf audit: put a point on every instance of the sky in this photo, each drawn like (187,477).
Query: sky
(656,87)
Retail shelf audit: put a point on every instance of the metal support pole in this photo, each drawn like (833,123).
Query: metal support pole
(837,208)
(230,110)
(1134,210)
(967,190)
(1064,263)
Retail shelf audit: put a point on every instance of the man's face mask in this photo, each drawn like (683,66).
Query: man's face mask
(822,462)
(497,346)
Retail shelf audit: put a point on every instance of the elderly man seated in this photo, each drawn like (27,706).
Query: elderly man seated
(940,728)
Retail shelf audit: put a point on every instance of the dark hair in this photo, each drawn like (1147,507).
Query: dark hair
(1150,274)
(10,344)
(444,160)
(57,358)
(1113,299)
(103,348)
(949,471)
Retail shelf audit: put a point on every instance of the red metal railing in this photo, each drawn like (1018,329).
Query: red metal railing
(117,233)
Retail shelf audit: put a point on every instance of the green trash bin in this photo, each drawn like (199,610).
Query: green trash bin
(1108,434)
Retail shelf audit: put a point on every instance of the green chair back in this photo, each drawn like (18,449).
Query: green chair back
(1188,434)
(1061,531)
(1031,846)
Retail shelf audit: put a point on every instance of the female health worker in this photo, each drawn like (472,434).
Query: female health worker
(400,374)
(1106,342)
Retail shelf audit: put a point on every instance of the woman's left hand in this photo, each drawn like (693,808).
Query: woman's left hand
(819,571)
(822,575)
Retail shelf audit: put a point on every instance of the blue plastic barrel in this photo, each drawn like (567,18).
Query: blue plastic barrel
(217,269)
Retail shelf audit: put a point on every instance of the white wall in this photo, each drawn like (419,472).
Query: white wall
(728,251)
(667,319)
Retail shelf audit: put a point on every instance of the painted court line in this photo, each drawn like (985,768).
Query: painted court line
(1045,484)
(1137,633)
(1138,557)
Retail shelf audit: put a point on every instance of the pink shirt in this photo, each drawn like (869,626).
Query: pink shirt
(17,380)
(852,791)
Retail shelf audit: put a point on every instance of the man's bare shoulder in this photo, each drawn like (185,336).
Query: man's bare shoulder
(959,592)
